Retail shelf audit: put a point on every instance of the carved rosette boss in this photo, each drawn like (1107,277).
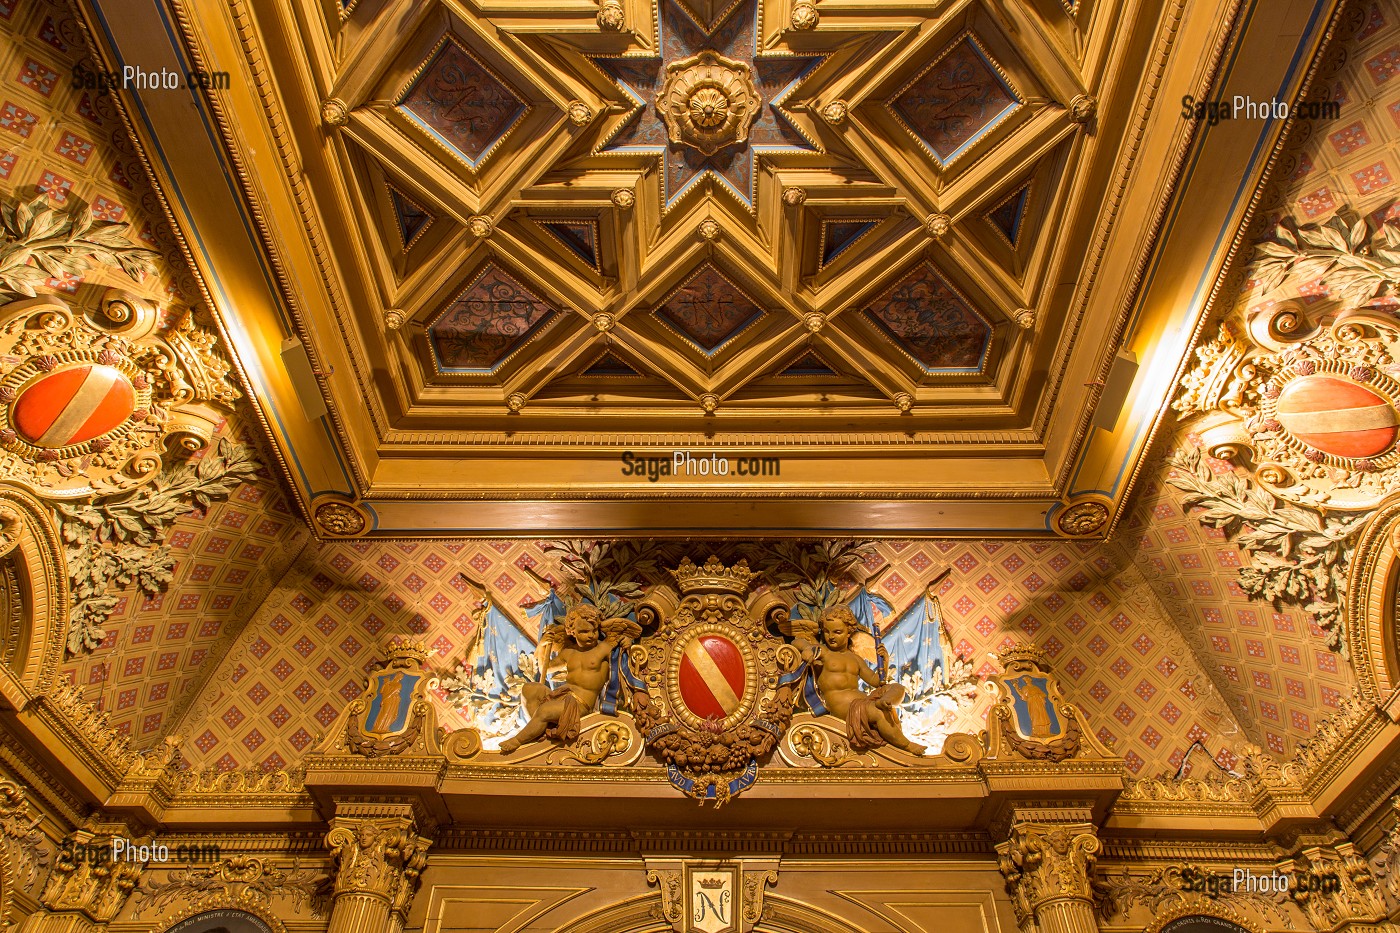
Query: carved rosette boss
(708,102)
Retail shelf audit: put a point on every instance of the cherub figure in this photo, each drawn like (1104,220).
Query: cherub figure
(871,719)
(584,645)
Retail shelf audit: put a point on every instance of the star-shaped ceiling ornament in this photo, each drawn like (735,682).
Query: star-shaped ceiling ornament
(710,104)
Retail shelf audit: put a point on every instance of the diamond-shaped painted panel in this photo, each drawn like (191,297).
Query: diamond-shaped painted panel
(932,322)
(455,97)
(708,310)
(488,321)
(955,100)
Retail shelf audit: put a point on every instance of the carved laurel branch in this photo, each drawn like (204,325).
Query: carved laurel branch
(118,542)
(41,241)
(1297,557)
(1359,262)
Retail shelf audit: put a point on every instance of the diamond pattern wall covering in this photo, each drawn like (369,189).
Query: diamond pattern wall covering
(303,657)
(1273,666)
(156,648)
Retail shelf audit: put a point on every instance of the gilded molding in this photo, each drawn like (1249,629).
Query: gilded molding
(240,882)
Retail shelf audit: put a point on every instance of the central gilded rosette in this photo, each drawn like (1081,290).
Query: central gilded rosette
(708,102)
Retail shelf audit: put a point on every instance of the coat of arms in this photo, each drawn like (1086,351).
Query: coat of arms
(713,691)
(388,716)
(1031,715)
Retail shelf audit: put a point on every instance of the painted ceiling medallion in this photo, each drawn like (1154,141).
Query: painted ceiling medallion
(73,406)
(709,102)
(1337,416)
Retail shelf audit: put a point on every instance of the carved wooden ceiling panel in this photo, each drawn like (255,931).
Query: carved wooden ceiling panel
(519,242)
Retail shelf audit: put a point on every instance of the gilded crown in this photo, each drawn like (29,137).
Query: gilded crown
(403,649)
(710,884)
(713,577)
(1021,656)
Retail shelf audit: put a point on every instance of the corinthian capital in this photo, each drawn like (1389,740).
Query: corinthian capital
(1335,887)
(1046,862)
(378,853)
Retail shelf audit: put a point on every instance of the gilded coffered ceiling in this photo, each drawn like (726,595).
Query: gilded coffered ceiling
(897,249)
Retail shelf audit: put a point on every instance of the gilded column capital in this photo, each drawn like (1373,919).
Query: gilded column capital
(378,854)
(92,876)
(1045,864)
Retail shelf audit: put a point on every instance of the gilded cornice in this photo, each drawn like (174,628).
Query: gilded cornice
(1342,23)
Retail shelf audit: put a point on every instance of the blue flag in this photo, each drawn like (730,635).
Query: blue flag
(502,643)
(915,645)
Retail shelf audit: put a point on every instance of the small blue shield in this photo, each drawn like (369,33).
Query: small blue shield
(391,704)
(1035,710)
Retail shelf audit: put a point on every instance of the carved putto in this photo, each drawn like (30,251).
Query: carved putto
(584,644)
(872,719)
(705,675)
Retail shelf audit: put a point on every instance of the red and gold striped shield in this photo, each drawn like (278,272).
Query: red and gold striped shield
(1337,416)
(71,406)
(712,676)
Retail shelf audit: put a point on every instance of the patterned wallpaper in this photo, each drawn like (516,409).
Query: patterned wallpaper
(1272,665)
(304,656)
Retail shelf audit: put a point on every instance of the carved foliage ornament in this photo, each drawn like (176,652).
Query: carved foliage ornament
(1044,863)
(236,881)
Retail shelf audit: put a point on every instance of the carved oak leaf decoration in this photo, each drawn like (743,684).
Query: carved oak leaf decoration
(1359,264)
